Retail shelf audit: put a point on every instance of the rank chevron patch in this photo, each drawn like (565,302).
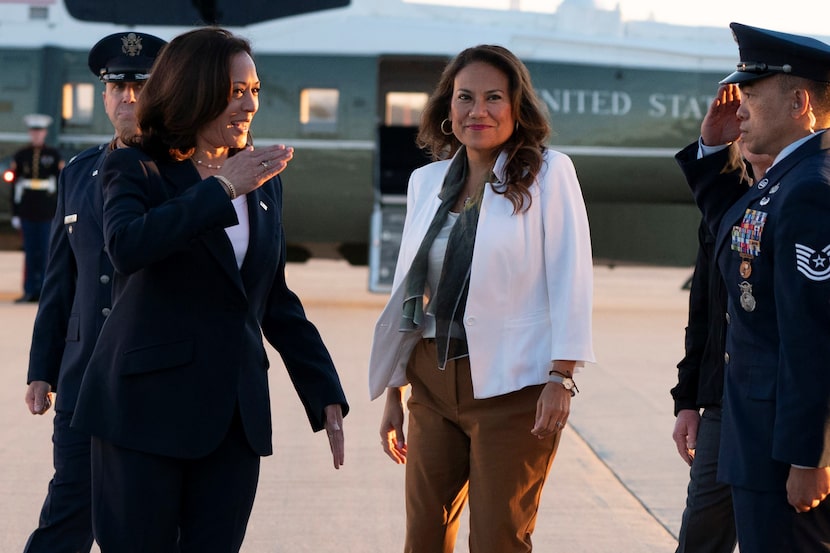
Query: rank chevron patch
(813,264)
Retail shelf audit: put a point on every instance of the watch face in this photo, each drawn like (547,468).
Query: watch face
(568,383)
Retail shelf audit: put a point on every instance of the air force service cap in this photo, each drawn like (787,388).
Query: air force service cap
(764,53)
(124,57)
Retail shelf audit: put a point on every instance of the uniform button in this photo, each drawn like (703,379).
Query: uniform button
(726,357)
(728,319)
(105,311)
(105,279)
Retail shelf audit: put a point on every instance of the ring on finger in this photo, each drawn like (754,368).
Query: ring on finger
(264,164)
(559,424)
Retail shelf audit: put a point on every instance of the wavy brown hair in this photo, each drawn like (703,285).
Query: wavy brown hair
(190,86)
(525,146)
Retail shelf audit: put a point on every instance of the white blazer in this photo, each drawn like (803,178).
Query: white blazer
(531,283)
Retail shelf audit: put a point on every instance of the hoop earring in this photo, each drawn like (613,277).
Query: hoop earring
(445,133)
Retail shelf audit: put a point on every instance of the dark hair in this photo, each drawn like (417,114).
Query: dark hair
(190,86)
(819,96)
(525,146)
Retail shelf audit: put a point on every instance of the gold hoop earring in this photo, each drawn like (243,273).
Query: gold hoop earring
(445,133)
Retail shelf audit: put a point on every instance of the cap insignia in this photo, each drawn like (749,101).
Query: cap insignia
(131,44)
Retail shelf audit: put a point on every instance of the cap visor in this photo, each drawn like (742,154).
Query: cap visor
(739,77)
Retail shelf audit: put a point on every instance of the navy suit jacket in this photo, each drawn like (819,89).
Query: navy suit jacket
(77,288)
(182,349)
(777,389)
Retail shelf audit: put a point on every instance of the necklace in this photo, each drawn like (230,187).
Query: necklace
(204,164)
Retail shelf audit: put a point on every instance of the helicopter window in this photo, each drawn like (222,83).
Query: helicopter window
(404,108)
(78,101)
(318,109)
(38,13)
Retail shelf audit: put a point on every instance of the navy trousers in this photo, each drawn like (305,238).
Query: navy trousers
(36,252)
(768,524)
(65,524)
(708,524)
(145,503)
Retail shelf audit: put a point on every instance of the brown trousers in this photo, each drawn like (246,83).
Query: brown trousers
(459,447)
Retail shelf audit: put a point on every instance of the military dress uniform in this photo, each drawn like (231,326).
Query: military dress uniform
(773,251)
(33,201)
(75,302)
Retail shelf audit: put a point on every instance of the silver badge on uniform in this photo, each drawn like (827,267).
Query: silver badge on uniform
(68,220)
(747,299)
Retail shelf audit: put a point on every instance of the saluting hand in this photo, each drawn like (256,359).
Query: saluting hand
(721,124)
(251,168)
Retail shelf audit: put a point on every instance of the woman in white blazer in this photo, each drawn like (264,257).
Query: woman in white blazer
(490,312)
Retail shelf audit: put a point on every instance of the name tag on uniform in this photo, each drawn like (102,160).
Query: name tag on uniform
(69,219)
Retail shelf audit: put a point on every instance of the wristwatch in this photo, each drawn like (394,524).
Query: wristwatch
(566,381)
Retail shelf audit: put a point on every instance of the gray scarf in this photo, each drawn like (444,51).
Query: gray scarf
(451,296)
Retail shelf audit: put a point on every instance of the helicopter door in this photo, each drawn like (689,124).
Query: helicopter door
(404,87)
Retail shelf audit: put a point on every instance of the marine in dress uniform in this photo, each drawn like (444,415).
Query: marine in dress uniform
(773,251)
(33,197)
(75,301)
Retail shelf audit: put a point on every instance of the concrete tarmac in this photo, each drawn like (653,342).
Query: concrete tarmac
(617,485)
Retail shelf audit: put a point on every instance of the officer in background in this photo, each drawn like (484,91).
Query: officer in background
(773,252)
(76,296)
(35,168)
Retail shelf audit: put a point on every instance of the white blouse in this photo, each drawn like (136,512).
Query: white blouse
(240,233)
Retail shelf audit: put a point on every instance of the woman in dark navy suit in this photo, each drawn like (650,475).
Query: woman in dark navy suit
(176,393)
